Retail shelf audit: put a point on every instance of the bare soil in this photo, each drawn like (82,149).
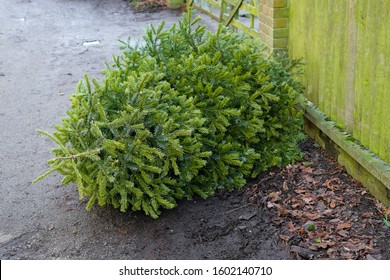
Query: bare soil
(45,47)
(321,211)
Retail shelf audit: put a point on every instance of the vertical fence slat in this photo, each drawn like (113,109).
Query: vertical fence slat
(350,78)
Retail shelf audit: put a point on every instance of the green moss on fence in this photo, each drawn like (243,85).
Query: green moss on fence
(346,50)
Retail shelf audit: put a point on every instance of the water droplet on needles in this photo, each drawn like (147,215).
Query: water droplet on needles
(91,43)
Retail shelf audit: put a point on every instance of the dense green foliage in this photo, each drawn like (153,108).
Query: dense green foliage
(187,112)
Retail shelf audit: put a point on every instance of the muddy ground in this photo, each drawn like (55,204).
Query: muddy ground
(45,48)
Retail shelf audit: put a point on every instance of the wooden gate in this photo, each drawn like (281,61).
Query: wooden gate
(240,14)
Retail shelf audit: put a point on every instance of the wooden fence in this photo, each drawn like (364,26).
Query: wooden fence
(241,14)
(346,48)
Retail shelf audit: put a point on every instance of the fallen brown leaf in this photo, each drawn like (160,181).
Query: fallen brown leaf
(322,245)
(322,234)
(347,255)
(297,214)
(313,216)
(270,204)
(307,199)
(285,237)
(308,170)
(328,212)
(291,226)
(309,179)
(295,205)
(299,191)
(321,206)
(368,215)
(284,212)
(330,183)
(330,251)
(274,195)
(285,186)
(280,207)
(344,226)
(354,247)
(343,233)
(386,211)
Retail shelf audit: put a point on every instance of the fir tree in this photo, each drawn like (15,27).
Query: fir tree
(187,113)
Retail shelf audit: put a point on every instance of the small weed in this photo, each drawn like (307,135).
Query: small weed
(386,222)
(317,240)
(311,227)
(147,5)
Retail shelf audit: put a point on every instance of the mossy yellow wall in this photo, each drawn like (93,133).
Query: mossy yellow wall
(346,47)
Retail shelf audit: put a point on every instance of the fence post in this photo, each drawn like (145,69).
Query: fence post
(273,29)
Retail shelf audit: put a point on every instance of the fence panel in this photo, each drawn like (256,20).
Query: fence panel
(345,45)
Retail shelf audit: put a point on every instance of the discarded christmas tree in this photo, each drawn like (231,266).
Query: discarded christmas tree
(188,112)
